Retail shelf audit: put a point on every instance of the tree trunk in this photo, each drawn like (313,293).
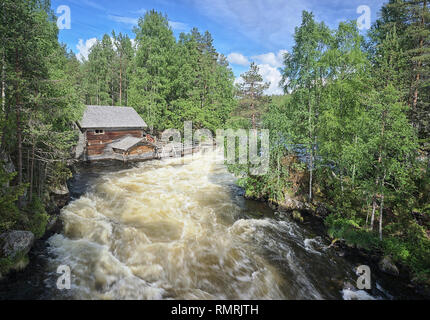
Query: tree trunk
(418,75)
(311,154)
(126,86)
(113,92)
(372,220)
(120,80)
(354,168)
(382,205)
(18,125)
(19,137)
(3,97)
(3,84)
(368,212)
(380,217)
(28,165)
(31,173)
(279,169)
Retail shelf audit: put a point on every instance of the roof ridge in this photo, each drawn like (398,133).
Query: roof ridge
(111,117)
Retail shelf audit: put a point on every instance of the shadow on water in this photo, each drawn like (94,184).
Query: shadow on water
(86,175)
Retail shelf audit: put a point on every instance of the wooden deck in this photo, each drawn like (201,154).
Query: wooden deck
(163,151)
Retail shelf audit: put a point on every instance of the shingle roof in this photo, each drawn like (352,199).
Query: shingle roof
(103,117)
(126,143)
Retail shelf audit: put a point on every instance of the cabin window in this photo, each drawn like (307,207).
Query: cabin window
(99,131)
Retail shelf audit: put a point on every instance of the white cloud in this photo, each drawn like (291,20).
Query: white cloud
(272,59)
(238,80)
(141,11)
(175,25)
(178,26)
(89,3)
(84,48)
(93,4)
(268,64)
(133,42)
(269,74)
(126,20)
(272,75)
(267,22)
(238,58)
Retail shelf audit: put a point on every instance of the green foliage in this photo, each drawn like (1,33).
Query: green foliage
(236,123)
(9,213)
(43,99)
(351,123)
(6,264)
(176,81)
(409,22)
(37,218)
(250,91)
(350,231)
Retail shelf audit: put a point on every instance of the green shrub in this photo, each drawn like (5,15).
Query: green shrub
(349,230)
(411,249)
(7,264)
(37,218)
(9,213)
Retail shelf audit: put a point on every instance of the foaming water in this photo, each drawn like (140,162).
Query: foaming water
(178,229)
(162,230)
(181,229)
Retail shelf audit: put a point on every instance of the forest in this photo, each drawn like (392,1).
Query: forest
(350,137)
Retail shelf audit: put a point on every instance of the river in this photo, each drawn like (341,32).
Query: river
(181,229)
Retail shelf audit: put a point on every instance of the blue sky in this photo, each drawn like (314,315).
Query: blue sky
(243,30)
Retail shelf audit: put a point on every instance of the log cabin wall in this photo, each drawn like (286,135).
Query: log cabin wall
(96,143)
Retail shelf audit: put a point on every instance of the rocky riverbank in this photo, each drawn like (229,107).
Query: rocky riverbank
(301,211)
(15,245)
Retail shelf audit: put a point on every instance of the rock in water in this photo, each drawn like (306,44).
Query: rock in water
(13,243)
(60,196)
(14,247)
(387,265)
(290,204)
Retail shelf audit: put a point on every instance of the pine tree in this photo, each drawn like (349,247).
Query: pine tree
(251,94)
(41,101)
(150,84)
(124,54)
(410,20)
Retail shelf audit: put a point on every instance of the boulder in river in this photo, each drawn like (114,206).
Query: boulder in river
(290,204)
(60,196)
(14,247)
(387,265)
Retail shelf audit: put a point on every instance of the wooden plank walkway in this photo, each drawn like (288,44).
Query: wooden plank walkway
(163,151)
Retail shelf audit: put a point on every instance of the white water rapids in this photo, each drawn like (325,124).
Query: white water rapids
(173,230)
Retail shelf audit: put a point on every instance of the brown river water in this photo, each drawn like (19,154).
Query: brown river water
(181,229)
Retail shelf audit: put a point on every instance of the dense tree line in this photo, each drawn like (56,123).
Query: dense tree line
(44,89)
(167,81)
(352,133)
(40,101)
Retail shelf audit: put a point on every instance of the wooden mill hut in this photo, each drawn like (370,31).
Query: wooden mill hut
(115,133)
